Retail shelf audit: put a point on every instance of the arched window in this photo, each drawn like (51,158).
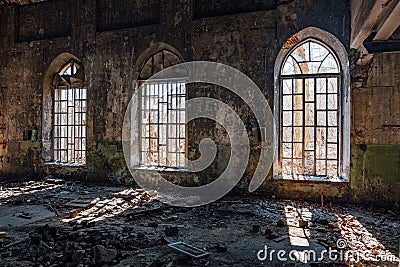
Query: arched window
(310,113)
(162,110)
(69,114)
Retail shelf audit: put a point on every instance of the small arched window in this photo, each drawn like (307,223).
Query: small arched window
(310,112)
(69,114)
(162,114)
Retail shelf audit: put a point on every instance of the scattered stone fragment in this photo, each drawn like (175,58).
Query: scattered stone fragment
(73,213)
(103,255)
(171,231)
(152,224)
(324,221)
(281,223)
(303,224)
(255,228)
(280,239)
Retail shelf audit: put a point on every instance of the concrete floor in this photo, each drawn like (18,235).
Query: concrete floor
(112,226)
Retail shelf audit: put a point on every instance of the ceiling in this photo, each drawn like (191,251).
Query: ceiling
(378,17)
(20,2)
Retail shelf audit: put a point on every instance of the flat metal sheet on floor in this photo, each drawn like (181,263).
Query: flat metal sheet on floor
(188,249)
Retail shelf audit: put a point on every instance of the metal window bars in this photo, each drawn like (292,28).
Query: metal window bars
(69,114)
(310,113)
(163,127)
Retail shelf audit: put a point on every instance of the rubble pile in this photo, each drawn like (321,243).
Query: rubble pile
(98,210)
(359,239)
(29,187)
(106,226)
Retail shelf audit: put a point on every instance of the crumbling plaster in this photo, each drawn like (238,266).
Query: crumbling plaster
(247,41)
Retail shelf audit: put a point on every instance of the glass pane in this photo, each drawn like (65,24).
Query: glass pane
(302,53)
(320,166)
(63,93)
(63,106)
(172,159)
(332,101)
(309,120)
(287,118)
(172,131)
(287,166)
(309,162)
(309,89)
(298,118)
(182,145)
(332,168)
(287,86)
(298,102)
(310,67)
(321,102)
(287,134)
(318,52)
(332,151)
(83,122)
(181,160)
(287,102)
(321,118)
(163,134)
(321,85)
(321,143)
(332,118)
(297,134)
(332,135)
(297,167)
(298,86)
(309,138)
(329,65)
(297,151)
(145,144)
(288,67)
(287,150)
(181,129)
(64,119)
(332,85)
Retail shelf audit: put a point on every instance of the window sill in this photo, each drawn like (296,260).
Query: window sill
(307,178)
(159,169)
(59,164)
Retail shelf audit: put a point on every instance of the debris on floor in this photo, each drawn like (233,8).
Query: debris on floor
(119,226)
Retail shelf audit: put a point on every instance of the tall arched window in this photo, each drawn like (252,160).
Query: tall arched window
(310,113)
(162,111)
(69,114)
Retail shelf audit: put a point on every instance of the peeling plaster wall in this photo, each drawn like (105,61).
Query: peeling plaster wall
(247,37)
(376,130)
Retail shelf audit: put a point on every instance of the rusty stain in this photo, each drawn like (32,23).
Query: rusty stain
(292,41)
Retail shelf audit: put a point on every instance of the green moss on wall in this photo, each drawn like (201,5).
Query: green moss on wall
(375,173)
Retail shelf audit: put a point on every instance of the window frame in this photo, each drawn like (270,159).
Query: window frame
(162,81)
(144,70)
(339,51)
(69,88)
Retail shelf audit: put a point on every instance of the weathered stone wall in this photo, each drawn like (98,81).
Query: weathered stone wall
(376,129)
(109,40)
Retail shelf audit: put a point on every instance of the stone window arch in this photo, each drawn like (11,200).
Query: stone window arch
(64,111)
(161,128)
(311,108)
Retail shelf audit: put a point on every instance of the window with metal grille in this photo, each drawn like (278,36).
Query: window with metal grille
(310,135)
(162,111)
(163,124)
(69,116)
